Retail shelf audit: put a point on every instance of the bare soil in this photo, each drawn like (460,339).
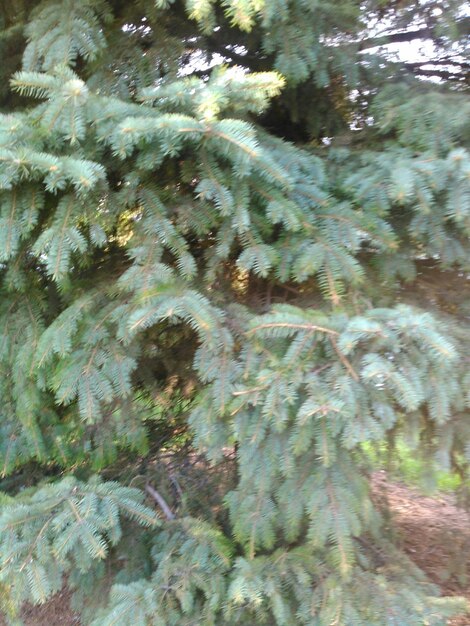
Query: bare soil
(56,612)
(433,531)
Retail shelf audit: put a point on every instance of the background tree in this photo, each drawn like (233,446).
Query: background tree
(233,253)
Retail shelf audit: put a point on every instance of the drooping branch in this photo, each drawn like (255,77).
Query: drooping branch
(160,500)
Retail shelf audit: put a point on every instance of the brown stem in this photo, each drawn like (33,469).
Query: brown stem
(153,493)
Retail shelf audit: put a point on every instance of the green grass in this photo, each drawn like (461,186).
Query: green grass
(407,466)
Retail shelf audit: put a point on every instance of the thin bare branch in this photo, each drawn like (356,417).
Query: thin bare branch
(160,500)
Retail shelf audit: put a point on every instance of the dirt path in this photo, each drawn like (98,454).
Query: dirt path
(56,612)
(434,532)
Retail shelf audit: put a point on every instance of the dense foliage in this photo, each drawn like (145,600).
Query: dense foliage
(234,239)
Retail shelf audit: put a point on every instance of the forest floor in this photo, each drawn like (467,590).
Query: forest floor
(433,531)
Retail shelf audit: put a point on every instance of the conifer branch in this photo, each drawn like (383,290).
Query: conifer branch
(311,327)
(138,302)
(343,359)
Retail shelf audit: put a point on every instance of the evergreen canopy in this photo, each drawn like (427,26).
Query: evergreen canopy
(234,239)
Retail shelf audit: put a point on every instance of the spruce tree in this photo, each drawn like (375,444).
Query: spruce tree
(233,256)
